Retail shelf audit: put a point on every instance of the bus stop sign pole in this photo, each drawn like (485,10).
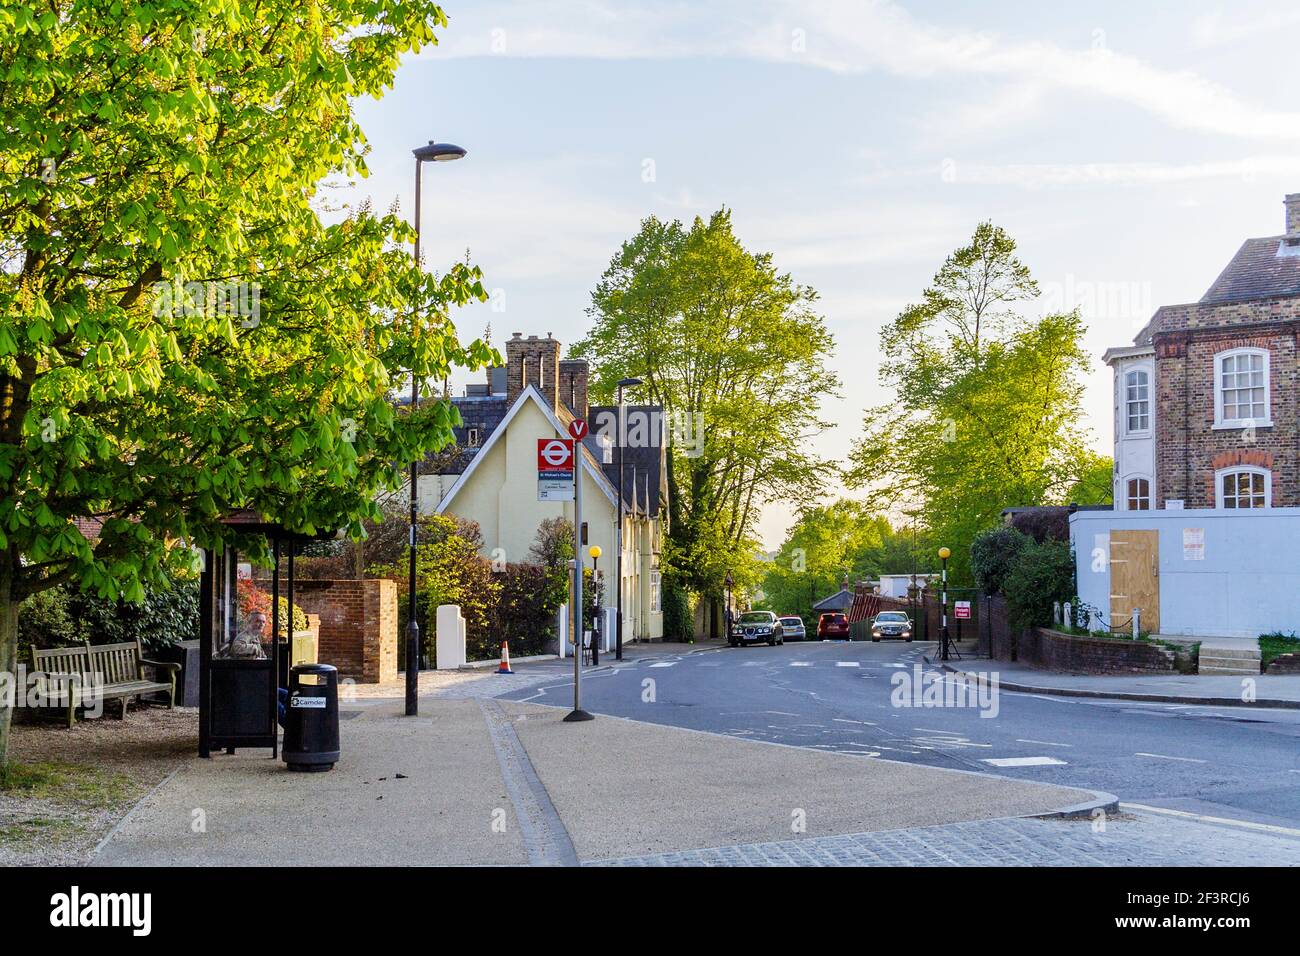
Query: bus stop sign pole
(577,430)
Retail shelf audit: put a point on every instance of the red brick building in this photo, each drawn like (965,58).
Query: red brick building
(1207,409)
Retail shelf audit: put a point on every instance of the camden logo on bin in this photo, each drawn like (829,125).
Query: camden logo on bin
(310,703)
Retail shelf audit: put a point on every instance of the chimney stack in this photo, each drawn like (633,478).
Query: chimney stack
(1293,217)
(532,361)
(573,385)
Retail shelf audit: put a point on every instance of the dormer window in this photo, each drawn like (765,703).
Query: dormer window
(471,438)
(1137,400)
(1241,388)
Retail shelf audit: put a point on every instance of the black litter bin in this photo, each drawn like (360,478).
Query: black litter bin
(311,718)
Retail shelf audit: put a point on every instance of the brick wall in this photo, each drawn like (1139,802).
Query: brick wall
(1052,650)
(358,625)
(1188,447)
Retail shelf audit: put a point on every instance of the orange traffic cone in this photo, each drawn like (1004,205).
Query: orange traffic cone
(505,659)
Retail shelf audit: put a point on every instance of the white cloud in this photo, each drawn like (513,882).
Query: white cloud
(1056,175)
(856,37)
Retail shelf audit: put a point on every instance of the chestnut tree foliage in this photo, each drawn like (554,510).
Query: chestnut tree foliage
(180,333)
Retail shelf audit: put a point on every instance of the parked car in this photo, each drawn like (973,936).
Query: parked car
(833,626)
(792,628)
(757,627)
(891,624)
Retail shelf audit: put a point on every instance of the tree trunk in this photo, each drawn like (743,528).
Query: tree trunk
(713,618)
(8,649)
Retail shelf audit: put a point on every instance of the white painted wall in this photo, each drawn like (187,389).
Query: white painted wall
(501,495)
(1134,451)
(1247,584)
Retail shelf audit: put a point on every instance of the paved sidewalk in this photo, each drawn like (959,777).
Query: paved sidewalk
(476,683)
(488,782)
(1263,690)
(1130,840)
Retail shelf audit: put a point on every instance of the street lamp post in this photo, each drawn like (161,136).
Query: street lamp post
(944,554)
(618,552)
(438,153)
(594,551)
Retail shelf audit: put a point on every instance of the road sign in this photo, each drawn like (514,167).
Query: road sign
(961,610)
(554,454)
(578,429)
(554,469)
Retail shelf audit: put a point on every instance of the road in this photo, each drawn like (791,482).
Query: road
(1231,763)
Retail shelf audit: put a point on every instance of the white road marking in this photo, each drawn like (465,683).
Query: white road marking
(1167,757)
(931,730)
(1045,743)
(666,664)
(780,713)
(847,664)
(1248,824)
(1022,761)
(845,720)
(801,663)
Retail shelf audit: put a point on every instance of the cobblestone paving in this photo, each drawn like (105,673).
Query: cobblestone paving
(1141,840)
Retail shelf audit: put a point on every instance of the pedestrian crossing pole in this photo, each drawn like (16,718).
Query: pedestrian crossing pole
(577,430)
(944,554)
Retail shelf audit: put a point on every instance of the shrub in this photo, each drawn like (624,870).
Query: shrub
(1040,575)
(46,620)
(62,616)
(679,622)
(992,555)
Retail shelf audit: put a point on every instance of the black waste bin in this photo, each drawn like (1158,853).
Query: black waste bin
(311,718)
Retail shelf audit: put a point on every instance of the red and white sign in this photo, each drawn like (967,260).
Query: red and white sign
(554,469)
(578,429)
(961,610)
(554,454)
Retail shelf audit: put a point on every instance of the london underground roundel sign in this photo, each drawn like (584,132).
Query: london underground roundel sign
(554,454)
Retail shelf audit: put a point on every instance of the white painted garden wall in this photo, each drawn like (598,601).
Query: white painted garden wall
(1246,581)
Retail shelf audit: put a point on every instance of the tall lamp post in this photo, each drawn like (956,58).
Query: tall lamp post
(944,555)
(618,556)
(435,153)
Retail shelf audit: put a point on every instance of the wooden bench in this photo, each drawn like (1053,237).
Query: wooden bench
(76,675)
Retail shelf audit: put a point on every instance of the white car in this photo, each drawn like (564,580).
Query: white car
(891,624)
(792,627)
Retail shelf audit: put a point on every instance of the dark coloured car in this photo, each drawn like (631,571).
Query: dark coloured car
(833,626)
(891,624)
(792,628)
(757,627)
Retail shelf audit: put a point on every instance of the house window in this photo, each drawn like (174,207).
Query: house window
(1241,388)
(1244,488)
(472,438)
(1137,400)
(1138,494)
(654,592)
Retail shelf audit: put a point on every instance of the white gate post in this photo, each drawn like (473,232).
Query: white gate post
(451,637)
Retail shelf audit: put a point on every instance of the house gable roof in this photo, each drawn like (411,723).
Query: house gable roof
(1262,269)
(529,394)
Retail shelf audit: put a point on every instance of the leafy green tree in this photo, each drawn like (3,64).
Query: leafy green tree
(993,553)
(735,353)
(1041,574)
(1096,484)
(825,545)
(987,413)
(181,334)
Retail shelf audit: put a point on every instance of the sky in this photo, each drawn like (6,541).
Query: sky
(1128,148)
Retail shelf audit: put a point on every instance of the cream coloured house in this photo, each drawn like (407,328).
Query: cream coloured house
(492,475)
